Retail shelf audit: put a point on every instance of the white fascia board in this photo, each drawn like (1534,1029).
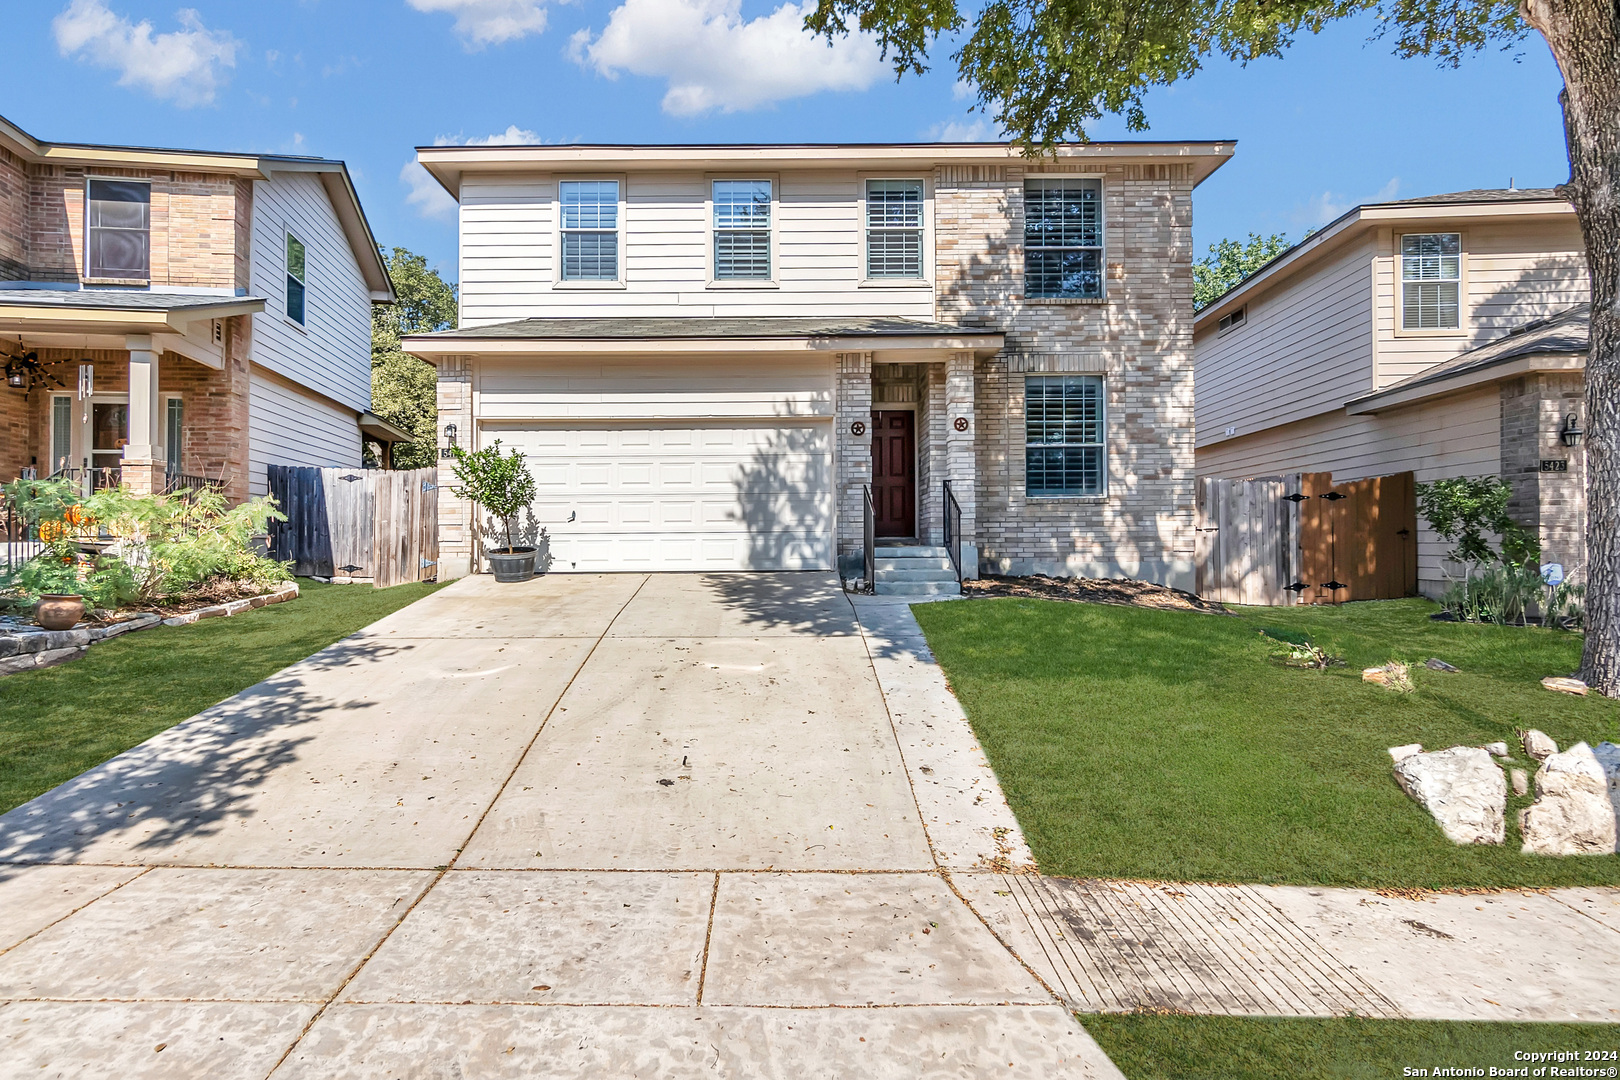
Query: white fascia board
(428,348)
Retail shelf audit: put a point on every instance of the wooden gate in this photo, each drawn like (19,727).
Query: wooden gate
(1304,539)
(374,525)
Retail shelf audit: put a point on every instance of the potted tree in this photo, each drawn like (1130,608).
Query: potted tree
(502,485)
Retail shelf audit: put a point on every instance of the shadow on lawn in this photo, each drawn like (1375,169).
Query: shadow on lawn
(186,782)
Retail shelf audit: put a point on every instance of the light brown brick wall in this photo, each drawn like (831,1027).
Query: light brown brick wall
(456,548)
(1553,504)
(1139,338)
(13,217)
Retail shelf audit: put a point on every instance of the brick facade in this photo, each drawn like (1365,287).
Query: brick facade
(1139,338)
(1552,503)
(456,547)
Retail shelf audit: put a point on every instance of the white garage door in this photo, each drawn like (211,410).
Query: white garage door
(712,494)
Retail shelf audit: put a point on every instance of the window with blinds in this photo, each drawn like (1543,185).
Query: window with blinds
(118,237)
(1063,238)
(894,228)
(1064,430)
(1431,281)
(590,229)
(742,230)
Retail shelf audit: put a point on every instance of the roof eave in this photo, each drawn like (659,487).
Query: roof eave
(429,347)
(60,319)
(1396,397)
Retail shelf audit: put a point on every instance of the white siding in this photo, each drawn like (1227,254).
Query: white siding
(508,241)
(331,352)
(1305,348)
(1458,435)
(287,427)
(1514,271)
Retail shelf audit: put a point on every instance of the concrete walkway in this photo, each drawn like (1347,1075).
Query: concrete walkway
(589,826)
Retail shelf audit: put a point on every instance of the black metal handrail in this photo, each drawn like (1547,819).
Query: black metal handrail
(953,530)
(175,482)
(868,541)
(91,480)
(19,538)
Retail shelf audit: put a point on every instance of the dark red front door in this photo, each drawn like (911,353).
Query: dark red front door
(894,473)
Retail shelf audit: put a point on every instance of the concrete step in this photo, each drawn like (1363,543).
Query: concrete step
(918,588)
(921,563)
(934,574)
(910,551)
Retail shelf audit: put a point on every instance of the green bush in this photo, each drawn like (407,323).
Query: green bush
(501,484)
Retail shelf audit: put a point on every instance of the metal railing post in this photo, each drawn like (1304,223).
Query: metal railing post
(868,541)
(953,530)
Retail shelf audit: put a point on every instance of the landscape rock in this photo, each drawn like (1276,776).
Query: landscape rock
(236,607)
(1539,745)
(1434,664)
(1497,749)
(182,620)
(1521,781)
(213,611)
(1575,807)
(10,645)
(1567,686)
(139,622)
(1392,676)
(32,661)
(1400,753)
(1462,788)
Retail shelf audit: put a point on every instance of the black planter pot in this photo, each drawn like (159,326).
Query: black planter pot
(514,565)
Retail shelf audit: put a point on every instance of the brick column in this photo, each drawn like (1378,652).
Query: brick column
(961,464)
(1552,504)
(456,548)
(852,453)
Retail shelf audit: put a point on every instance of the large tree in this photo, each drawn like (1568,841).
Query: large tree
(1230,262)
(1046,68)
(404,389)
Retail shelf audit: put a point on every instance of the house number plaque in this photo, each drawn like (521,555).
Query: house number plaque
(1555,464)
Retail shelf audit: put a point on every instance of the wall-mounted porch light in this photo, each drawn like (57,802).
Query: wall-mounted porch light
(450,434)
(16,374)
(1571,434)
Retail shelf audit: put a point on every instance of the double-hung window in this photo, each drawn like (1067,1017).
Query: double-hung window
(297,276)
(742,230)
(118,222)
(894,229)
(590,230)
(1064,435)
(1063,238)
(1431,281)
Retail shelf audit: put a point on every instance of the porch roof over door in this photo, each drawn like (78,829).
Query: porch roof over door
(114,311)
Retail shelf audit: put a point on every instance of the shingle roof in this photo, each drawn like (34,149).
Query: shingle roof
(700,327)
(1566,333)
(118,299)
(1476,195)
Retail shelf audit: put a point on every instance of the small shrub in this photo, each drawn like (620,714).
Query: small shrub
(1296,650)
(501,484)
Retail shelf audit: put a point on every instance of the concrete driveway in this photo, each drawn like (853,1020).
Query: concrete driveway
(618,825)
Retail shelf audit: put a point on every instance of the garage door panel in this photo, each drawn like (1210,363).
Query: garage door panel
(716,495)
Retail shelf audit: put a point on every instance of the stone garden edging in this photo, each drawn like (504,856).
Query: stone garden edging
(46,648)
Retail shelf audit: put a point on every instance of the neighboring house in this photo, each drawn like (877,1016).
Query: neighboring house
(167,312)
(709,352)
(1445,335)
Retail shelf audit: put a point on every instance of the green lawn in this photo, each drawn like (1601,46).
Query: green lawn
(1164,745)
(56,723)
(1240,1048)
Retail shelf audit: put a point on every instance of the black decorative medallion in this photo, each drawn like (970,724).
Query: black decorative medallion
(857,428)
(960,423)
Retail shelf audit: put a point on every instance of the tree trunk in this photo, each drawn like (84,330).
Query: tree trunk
(1584,36)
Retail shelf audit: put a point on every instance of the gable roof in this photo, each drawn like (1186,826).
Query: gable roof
(1479,202)
(333,175)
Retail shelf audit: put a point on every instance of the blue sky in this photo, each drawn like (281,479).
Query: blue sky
(1337,121)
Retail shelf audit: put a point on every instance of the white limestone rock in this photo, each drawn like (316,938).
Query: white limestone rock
(1539,745)
(1401,753)
(1497,749)
(1521,781)
(1577,803)
(1464,790)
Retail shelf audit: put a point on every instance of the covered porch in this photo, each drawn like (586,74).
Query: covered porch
(109,387)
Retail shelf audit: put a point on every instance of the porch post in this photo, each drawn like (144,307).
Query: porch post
(143,453)
(961,463)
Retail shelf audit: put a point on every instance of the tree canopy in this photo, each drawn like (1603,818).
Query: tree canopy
(1230,262)
(404,389)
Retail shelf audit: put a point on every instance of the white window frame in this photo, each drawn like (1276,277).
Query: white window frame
(1101,444)
(72,432)
(1102,235)
(168,450)
(926,278)
(620,230)
(710,232)
(84,221)
(288,236)
(1401,329)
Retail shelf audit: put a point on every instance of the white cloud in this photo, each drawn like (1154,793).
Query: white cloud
(428,196)
(961,90)
(1321,209)
(1389,190)
(712,59)
(489,22)
(977,129)
(185,66)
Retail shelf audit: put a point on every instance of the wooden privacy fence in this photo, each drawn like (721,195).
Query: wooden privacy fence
(1302,539)
(371,525)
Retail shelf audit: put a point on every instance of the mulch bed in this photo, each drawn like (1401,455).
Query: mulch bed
(212,594)
(1123,591)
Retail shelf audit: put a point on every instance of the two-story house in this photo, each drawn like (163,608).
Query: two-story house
(710,354)
(167,312)
(1444,335)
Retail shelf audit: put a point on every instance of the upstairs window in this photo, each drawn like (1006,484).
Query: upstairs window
(1431,281)
(1063,239)
(894,229)
(297,271)
(1064,423)
(118,236)
(742,230)
(590,230)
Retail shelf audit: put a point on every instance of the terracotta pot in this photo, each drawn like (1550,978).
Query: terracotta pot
(59,611)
